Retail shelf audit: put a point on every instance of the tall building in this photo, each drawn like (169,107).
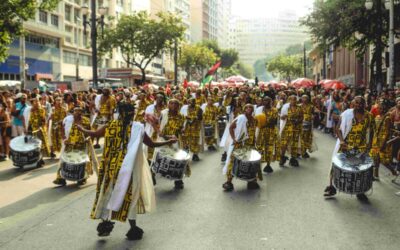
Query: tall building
(256,38)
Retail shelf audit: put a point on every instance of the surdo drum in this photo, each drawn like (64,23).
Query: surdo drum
(73,165)
(246,164)
(352,173)
(209,131)
(221,126)
(170,163)
(306,126)
(25,151)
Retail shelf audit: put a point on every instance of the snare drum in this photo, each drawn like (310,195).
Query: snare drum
(101,121)
(73,165)
(170,163)
(352,174)
(25,153)
(246,164)
(209,130)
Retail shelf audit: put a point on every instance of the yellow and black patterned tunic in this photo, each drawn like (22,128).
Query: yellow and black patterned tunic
(291,133)
(210,117)
(115,149)
(191,135)
(381,133)
(268,136)
(140,111)
(37,124)
(307,133)
(156,127)
(76,139)
(357,137)
(106,110)
(200,100)
(249,143)
(56,137)
(174,125)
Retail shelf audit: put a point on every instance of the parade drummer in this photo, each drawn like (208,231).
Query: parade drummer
(307,132)
(105,105)
(243,133)
(74,139)
(290,130)
(124,187)
(210,116)
(381,151)
(141,105)
(355,131)
(37,125)
(57,117)
(267,139)
(171,127)
(193,126)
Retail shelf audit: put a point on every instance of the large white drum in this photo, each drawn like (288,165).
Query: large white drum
(352,173)
(25,151)
(73,165)
(246,164)
(170,163)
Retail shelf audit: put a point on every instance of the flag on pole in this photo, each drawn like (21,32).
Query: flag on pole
(209,76)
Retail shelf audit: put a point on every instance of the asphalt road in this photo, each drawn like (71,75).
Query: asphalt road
(288,212)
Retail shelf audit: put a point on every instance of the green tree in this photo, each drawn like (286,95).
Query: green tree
(228,58)
(245,70)
(141,38)
(349,24)
(286,66)
(195,58)
(12,15)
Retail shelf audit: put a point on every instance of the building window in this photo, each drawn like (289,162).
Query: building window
(69,57)
(68,13)
(43,16)
(54,20)
(77,16)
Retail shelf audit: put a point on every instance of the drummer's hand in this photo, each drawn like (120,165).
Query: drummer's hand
(343,145)
(172,140)
(79,127)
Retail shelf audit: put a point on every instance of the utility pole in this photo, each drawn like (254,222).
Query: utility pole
(22,63)
(391,78)
(305,61)
(176,63)
(78,43)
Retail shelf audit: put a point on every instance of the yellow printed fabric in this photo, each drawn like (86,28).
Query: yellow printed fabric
(140,111)
(380,134)
(200,100)
(210,117)
(37,124)
(174,125)
(357,137)
(307,133)
(191,134)
(249,143)
(154,135)
(290,137)
(56,136)
(106,111)
(268,136)
(115,149)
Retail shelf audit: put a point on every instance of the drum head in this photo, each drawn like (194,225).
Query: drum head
(179,155)
(352,163)
(18,144)
(247,155)
(75,157)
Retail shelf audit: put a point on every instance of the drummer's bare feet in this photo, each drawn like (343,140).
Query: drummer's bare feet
(81,182)
(268,169)
(306,155)
(293,162)
(211,148)
(135,233)
(52,155)
(227,186)
(60,182)
(195,157)
(179,184)
(40,163)
(252,185)
(104,228)
(283,161)
(224,155)
(330,191)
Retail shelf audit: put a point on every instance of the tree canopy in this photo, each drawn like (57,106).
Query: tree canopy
(13,14)
(286,66)
(349,24)
(194,58)
(141,38)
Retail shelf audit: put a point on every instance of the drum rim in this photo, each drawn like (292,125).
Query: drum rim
(86,158)
(20,149)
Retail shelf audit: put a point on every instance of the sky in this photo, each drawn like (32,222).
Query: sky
(265,8)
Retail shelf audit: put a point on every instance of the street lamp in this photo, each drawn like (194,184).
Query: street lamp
(389,5)
(93,35)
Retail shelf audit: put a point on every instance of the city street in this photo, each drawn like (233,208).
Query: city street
(288,212)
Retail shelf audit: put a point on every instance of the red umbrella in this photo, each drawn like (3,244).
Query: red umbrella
(334,84)
(277,85)
(303,83)
(236,79)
